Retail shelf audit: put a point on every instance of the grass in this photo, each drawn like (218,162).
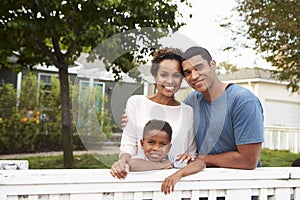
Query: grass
(269,158)
(277,158)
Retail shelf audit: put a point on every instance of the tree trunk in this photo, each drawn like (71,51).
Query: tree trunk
(66,117)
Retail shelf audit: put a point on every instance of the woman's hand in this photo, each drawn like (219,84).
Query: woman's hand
(124,121)
(119,169)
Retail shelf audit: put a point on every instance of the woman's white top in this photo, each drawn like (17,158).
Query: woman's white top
(140,110)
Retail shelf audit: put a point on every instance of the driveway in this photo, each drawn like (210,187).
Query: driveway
(104,150)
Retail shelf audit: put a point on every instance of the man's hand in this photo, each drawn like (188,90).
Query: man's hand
(119,169)
(185,158)
(169,183)
(193,167)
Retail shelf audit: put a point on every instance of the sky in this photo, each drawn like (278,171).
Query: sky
(203,28)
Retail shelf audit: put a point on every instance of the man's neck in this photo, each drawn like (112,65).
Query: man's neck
(216,89)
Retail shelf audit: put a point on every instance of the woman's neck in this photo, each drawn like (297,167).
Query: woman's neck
(169,101)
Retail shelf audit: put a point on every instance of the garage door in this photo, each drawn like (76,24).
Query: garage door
(282,113)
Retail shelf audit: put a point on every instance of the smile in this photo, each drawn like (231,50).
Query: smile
(155,155)
(169,87)
(199,82)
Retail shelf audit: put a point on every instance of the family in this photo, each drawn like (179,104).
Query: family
(217,125)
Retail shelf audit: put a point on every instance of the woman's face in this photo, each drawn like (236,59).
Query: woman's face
(169,78)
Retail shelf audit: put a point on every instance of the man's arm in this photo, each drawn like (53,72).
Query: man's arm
(246,157)
(193,167)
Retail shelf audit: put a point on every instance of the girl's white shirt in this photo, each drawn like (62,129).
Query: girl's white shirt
(140,110)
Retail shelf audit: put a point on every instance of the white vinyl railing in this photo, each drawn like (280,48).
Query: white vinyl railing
(282,138)
(267,183)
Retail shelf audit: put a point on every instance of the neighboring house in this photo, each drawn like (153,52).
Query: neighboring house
(85,77)
(281,107)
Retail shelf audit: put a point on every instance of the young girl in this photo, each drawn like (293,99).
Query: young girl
(156,143)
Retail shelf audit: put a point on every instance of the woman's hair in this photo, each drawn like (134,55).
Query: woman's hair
(163,54)
(159,125)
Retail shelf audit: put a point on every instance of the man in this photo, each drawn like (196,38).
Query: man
(228,118)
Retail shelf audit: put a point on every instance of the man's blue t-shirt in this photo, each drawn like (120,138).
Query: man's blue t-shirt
(234,118)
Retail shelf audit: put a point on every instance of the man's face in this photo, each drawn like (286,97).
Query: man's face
(156,145)
(198,73)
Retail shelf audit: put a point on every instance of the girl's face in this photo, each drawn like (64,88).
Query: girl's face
(156,145)
(169,78)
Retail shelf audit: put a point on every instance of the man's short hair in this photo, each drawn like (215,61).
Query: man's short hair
(194,51)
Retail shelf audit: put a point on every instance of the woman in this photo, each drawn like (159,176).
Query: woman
(166,70)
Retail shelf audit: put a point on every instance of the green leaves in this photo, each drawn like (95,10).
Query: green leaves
(79,24)
(275,27)
(55,32)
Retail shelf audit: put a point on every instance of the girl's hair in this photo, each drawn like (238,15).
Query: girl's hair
(160,125)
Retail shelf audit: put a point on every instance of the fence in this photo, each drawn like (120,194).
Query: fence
(267,183)
(282,138)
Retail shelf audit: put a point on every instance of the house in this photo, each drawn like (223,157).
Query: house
(281,107)
(85,76)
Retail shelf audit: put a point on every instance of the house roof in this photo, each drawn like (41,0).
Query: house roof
(251,75)
(248,73)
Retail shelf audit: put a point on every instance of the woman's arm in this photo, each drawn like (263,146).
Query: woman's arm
(128,145)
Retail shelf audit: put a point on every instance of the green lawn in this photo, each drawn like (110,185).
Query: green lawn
(275,158)
(269,158)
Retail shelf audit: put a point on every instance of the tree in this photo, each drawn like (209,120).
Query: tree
(224,67)
(274,26)
(56,32)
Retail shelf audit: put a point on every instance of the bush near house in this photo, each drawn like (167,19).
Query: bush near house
(32,123)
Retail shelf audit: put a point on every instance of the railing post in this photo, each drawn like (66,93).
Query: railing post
(297,193)
(282,194)
(237,194)
(263,194)
(212,194)
(2,194)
